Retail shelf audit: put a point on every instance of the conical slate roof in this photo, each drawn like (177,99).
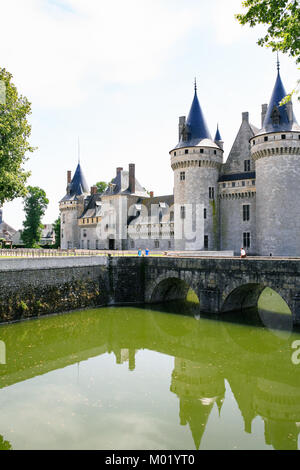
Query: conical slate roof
(218,137)
(196,129)
(78,184)
(276,118)
(196,121)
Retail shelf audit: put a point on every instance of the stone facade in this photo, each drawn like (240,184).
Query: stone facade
(248,201)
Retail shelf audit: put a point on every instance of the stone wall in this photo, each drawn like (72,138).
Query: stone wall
(34,287)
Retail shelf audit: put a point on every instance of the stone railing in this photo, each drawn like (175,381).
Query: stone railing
(44,253)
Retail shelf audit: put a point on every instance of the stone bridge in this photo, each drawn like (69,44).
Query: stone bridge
(222,285)
(33,287)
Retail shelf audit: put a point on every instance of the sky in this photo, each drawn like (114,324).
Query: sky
(116,75)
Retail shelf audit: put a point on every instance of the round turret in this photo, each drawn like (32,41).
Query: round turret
(276,152)
(196,162)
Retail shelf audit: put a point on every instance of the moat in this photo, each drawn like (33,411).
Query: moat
(141,378)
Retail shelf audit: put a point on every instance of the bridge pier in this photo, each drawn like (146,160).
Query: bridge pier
(209,300)
(296,309)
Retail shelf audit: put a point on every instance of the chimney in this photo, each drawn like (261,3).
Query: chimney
(119,170)
(94,190)
(245,116)
(69,177)
(132,178)
(181,126)
(151,194)
(289,110)
(264,108)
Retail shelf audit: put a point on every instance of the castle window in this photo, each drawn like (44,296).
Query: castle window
(243,183)
(88,244)
(201,151)
(253,182)
(246,165)
(266,139)
(205,213)
(63,218)
(186,151)
(205,242)
(246,239)
(246,212)
(97,244)
(182,212)
(283,136)
(253,142)
(174,154)
(171,216)
(182,176)
(156,244)
(215,152)
(211,193)
(233,185)
(224,185)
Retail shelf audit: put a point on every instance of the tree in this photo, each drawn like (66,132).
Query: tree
(283,20)
(35,204)
(5,445)
(102,186)
(14,133)
(56,227)
(283,33)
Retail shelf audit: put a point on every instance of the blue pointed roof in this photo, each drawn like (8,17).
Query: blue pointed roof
(196,128)
(196,122)
(218,137)
(276,118)
(78,184)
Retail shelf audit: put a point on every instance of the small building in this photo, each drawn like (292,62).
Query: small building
(6,232)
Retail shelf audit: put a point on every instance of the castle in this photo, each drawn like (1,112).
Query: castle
(250,201)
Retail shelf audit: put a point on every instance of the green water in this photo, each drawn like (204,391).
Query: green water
(134,378)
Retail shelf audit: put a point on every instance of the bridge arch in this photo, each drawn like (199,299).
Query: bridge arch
(169,286)
(247,296)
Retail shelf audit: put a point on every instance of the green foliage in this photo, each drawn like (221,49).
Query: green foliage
(14,132)
(102,186)
(5,445)
(283,20)
(57,226)
(35,204)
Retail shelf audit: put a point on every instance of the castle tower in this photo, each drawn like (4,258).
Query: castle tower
(196,162)
(276,152)
(71,207)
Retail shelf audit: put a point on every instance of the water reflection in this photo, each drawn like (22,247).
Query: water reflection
(208,353)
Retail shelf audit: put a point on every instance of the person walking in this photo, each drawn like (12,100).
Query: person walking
(243,253)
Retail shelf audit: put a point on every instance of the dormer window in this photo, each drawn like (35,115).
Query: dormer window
(275,116)
(247,165)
